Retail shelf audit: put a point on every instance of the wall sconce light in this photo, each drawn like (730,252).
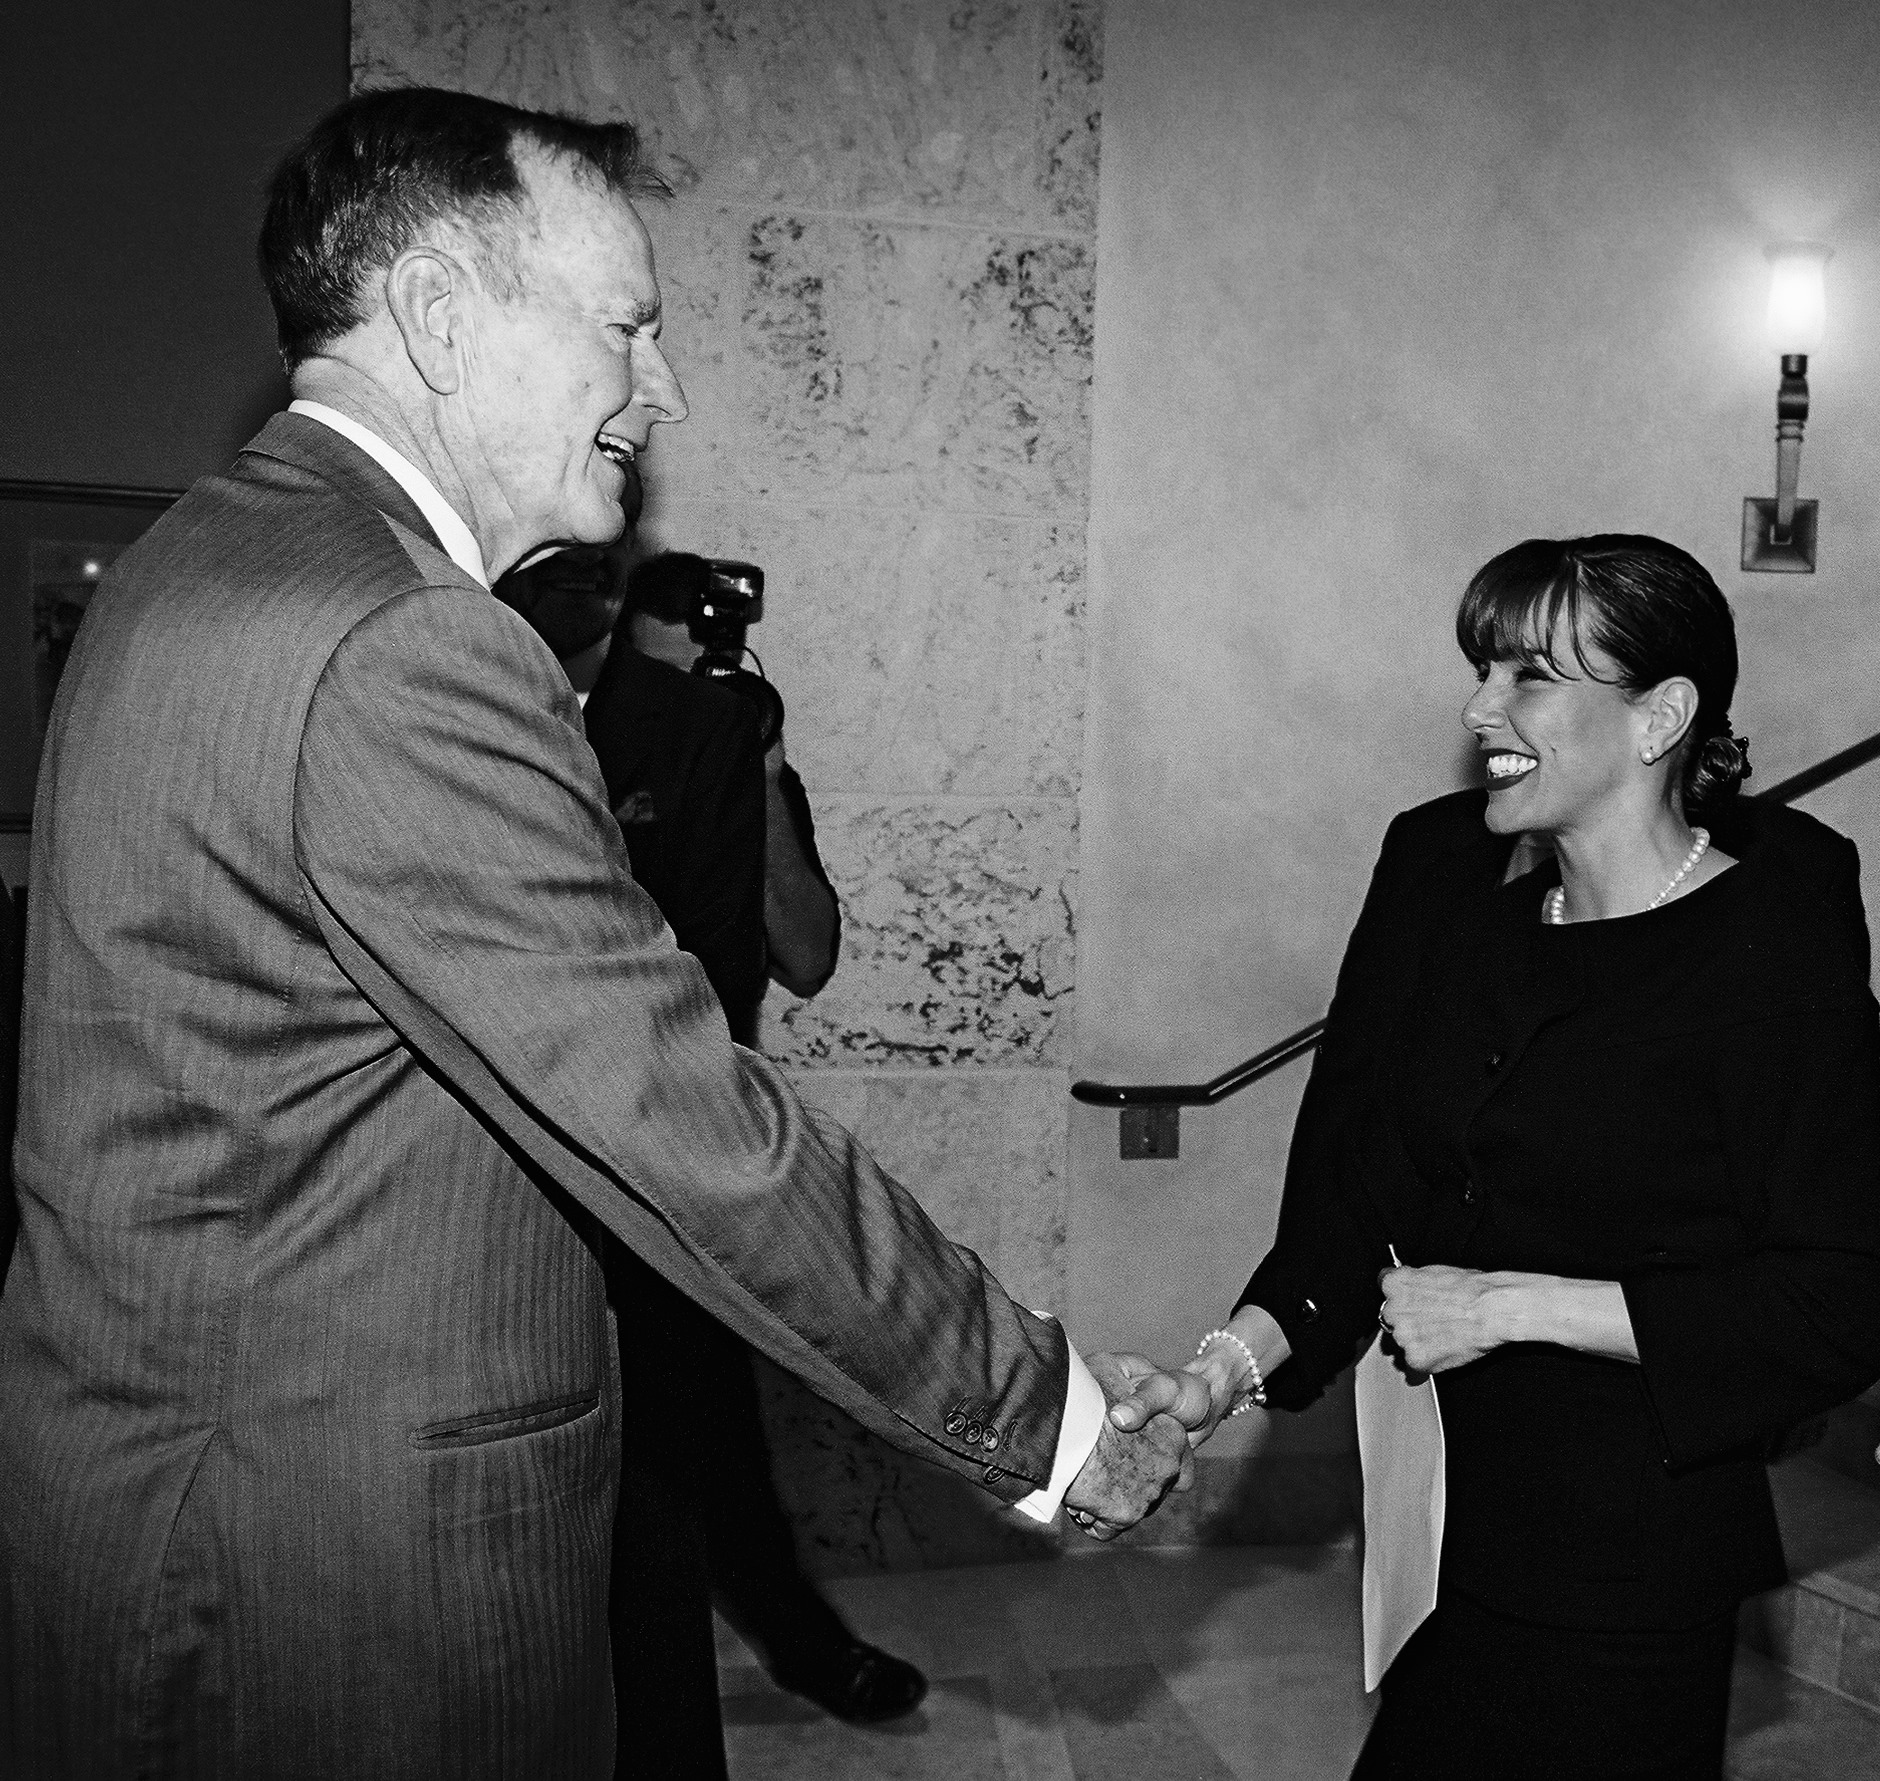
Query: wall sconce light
(1779,535)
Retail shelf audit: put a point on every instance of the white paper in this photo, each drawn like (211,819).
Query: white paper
(1400,1444)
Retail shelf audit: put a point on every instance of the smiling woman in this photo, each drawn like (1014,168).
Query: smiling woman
(1613,1095)
(1607,669)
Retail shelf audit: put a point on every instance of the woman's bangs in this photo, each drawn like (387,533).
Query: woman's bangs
(1515,621)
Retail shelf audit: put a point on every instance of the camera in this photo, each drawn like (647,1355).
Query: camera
(722,610)
(718,600)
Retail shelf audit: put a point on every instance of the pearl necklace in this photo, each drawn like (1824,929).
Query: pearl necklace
(1554,909)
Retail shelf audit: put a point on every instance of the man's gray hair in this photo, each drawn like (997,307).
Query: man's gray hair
(381,169)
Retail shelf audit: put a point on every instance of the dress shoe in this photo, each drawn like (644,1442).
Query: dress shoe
(858,1682)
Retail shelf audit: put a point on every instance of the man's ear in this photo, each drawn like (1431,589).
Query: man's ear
(426,291)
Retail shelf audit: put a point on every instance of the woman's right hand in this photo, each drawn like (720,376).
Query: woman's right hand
(1223,1365)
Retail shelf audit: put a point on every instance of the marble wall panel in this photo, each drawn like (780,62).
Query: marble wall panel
(856,1504)
(841,358)
(958,943)
(879,278)
(988,111)
(920,652)
(983,1152)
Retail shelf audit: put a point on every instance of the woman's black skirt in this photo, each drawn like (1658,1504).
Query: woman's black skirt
(1475,1693)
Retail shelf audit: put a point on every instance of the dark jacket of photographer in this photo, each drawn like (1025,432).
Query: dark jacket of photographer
(684,770)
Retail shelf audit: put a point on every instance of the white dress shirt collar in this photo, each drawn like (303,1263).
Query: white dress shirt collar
(459,542)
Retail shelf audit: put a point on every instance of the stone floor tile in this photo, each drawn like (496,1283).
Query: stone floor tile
(1244,1602)
(1233,1662)
(1784,1729)
(1815,1633)
(1280,1718)
(1860,1659)
(1121,1723)
(1071,1616)
(776,1737)
(949,1623)
(1830,1526)
(1030,1727)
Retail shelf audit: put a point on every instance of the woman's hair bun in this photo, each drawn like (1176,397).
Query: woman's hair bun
(1718,767)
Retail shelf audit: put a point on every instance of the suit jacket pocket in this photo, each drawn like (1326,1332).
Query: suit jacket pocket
(504,1425)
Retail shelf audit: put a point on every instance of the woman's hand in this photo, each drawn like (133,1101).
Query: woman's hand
(1222,1365)
(1441,1317)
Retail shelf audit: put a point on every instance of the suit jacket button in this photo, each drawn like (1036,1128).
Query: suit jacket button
(955,1423)
(1308,1312)
(1492,1062)
(1470,1192)
(972,1434)
(991,1441)
(993,1474)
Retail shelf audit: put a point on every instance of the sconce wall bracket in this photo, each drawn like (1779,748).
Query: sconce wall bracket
(1795,555)
(1779,535)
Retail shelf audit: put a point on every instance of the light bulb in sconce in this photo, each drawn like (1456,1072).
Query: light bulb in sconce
(1798,298)
(1779,536)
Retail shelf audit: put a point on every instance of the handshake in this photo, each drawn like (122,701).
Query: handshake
(1155,1420)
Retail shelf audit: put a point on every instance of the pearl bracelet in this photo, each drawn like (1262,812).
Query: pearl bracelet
(1258,1394)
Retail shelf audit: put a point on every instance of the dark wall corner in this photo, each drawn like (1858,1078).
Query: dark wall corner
(135,343)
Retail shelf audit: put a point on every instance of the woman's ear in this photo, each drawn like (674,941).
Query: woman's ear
(1670,710)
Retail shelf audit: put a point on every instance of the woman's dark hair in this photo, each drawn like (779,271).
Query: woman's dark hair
(383,166)
(1651,608)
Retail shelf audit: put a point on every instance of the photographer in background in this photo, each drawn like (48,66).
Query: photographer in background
(719,834)
(691,613)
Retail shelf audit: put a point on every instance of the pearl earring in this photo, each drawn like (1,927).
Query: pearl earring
(1648,755)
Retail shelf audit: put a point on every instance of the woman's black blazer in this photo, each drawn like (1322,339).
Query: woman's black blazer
(1686,1101)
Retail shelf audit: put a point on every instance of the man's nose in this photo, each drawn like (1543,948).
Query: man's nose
(655,387)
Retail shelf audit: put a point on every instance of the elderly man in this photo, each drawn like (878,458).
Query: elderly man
(346,1031)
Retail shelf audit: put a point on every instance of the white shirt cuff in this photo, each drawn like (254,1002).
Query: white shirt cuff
(1085,1407)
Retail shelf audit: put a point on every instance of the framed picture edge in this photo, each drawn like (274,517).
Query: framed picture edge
(15,490)
(20,488)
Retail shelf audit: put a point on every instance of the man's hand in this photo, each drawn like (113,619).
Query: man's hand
(1142,1452)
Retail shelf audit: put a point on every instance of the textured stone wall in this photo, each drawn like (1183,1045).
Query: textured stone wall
(878,271)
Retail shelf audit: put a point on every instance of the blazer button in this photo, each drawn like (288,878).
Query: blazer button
(955,1423)
(1470,1192)
(1492,1062)
(991,1441)
(993,1474)
(1308,1312)
(972,1434)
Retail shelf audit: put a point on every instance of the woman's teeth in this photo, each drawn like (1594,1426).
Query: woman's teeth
(619,450)
(1506,767)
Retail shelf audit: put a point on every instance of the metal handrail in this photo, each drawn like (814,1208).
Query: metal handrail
(1201,1094)
(1296,1045)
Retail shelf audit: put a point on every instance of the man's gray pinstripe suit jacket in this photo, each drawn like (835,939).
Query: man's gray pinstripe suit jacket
(345,1029)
